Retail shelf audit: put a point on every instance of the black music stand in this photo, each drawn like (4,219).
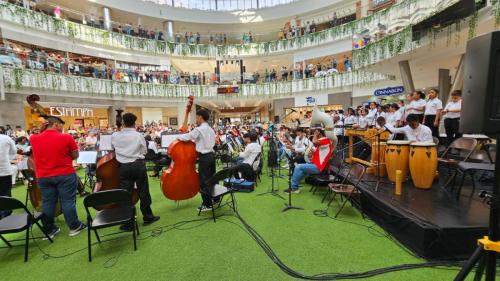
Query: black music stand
(289,206)
(272,163)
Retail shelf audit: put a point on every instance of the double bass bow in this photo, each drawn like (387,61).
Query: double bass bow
(180,181)
(107,168)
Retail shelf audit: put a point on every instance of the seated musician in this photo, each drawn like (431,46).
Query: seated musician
(299,146)
(414,131)
(246,162)
(321,152)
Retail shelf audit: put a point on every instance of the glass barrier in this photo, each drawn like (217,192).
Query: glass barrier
(222,5)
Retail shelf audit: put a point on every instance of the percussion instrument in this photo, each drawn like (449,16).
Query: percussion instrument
(397,158)
(423,164)
(369,136)
(378,160)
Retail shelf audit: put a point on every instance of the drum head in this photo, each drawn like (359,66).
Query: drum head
(398,142)
(424,144)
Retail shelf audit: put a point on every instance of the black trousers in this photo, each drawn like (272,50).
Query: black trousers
(5,190)
(132,174)
(160,163)
(452,126)
(206,169)
(429,122)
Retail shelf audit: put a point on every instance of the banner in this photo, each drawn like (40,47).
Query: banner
(311,100)
(389,91)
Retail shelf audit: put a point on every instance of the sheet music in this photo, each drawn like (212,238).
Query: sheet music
(166,140)
(87,157)
(105,143)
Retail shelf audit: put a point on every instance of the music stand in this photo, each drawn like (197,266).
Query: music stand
(87,158)
(167,139)
(289,206)
(105,142)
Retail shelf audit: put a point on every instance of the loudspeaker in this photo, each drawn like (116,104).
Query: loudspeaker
(481,96)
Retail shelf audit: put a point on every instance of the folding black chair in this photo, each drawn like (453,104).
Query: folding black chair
(19,222)
(349,192)
(118,210)
(219,191)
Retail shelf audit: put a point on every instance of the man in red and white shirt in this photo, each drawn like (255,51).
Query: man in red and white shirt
(321,153)
(54,153)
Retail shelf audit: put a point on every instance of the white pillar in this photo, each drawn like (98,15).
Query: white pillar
(107,19)
(169,31)
(2,87)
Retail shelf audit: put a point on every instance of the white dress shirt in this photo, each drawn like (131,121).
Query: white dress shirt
(432,106)
(129,145)
(203,136)
(363,122)
(421,134)
(7,153)
(453,106)
(393,117)
(152,145)
(301,144)
(350,120)
(416,104)
(250,153)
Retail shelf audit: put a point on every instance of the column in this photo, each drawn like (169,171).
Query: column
(406,78)
(107,19)
(458,80)
(169,31)
(444,83)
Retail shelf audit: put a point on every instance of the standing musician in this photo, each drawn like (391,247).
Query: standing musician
(204,137)
(321,152)
(130,149)
(451,115)
(7,153)
(54,153)
(417,105)
(432,113)
(414,131)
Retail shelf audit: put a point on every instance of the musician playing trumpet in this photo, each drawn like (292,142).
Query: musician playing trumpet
(320,152)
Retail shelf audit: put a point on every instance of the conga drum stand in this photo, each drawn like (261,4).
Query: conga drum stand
(485,256)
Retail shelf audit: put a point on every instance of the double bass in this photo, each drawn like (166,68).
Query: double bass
(107,168)
(180,181)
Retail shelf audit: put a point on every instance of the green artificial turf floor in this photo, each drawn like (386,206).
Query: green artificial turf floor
(220,251)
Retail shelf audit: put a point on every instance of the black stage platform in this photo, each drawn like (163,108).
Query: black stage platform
(432,223)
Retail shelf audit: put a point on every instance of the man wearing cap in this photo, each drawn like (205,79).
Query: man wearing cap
(54,153)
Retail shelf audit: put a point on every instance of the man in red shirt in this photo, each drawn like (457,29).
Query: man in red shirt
(321,153)
(54,153)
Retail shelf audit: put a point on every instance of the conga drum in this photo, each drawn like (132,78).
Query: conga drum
(423,164)
(396,158)
(379,168)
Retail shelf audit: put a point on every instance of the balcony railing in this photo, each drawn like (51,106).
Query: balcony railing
(19,79)
(402,14)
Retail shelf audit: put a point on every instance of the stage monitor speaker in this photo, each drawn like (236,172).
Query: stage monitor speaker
(481,96)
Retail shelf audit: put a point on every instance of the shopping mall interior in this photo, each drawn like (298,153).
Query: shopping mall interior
(336,147)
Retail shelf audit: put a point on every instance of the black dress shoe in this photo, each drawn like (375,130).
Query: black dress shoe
(150,220)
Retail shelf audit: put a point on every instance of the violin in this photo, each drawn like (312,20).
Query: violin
(180,181)
(107,168)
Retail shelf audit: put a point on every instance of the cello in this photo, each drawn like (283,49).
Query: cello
(180,181)
(107,168)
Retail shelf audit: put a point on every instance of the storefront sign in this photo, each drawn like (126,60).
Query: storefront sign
(311,100)
(62,111)
(389,91)
(227,90)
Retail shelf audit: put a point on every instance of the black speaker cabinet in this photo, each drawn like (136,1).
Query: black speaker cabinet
(481,96)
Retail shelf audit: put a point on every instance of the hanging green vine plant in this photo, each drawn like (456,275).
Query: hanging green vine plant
(473,26)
